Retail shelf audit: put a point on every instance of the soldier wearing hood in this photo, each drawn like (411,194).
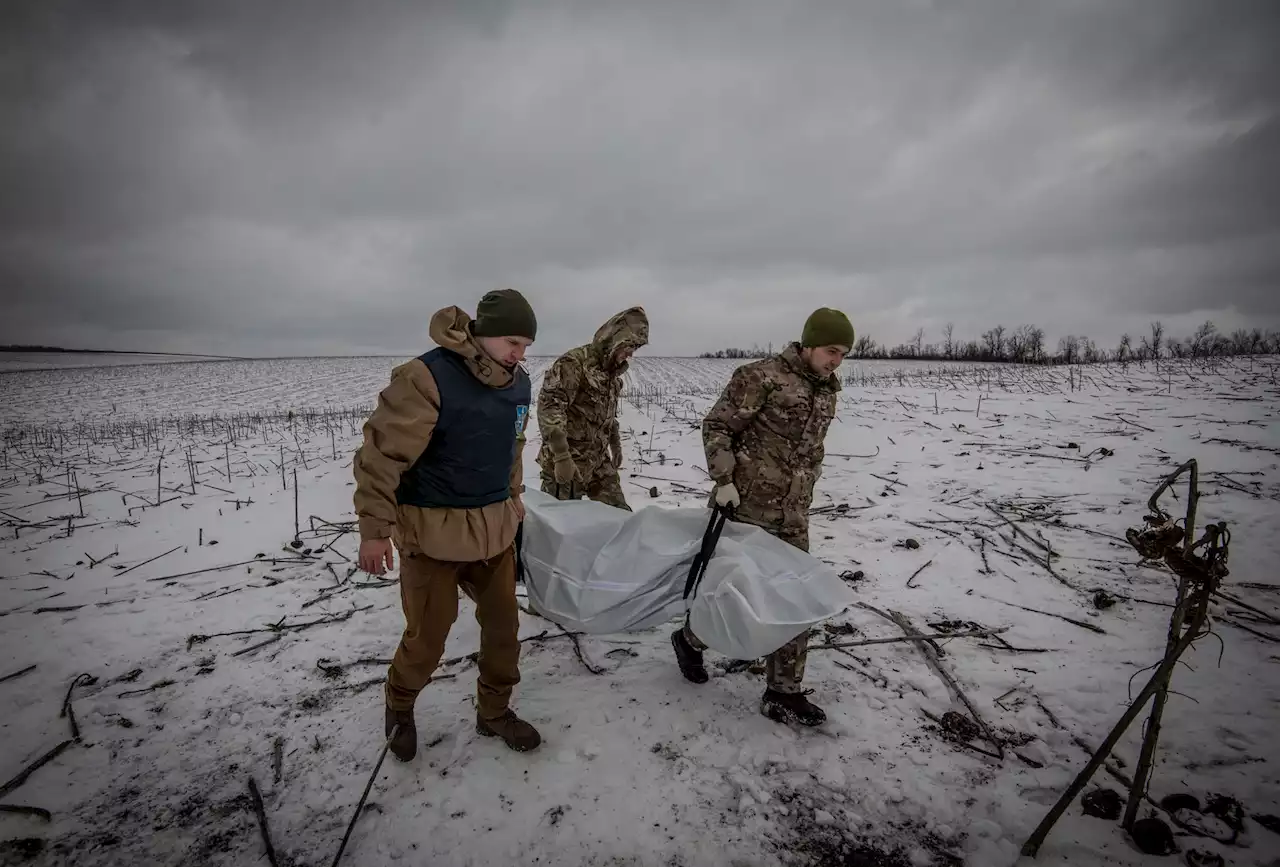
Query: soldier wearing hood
(764,441)
(578,413)
(440,473)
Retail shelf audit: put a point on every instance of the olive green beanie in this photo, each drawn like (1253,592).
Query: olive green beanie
(827,327)
(504,313)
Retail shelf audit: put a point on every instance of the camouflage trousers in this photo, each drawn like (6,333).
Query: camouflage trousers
(601,485)
(784,668)
(772,520)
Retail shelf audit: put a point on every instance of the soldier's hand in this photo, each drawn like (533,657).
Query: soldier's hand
(565,469)
(519,504)
(377,556)
(727,496)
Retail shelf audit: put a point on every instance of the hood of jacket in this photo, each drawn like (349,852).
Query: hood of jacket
(628,328)
(792,358)
(451,329)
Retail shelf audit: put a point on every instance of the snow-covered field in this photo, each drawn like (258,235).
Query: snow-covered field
(147,573)
(185,388)
(10,361)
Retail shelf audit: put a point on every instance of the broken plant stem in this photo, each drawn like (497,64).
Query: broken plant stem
(1142,774)
(1032,846)
(247,650)
(899,639)
(271,562)
(159,684)
(395,730)
(577,649)
(1080,623)
(916,574)
(277,760)
(33,767)
(145,562)
(1238,625)
(936,664)
(68,710)
(261,812)
(17,674)
(27,811)
(279,626)
(1152,736)
(1232,599)
(1046,562)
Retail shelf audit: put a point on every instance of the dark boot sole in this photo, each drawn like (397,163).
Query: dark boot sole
(782,715)
(691,675)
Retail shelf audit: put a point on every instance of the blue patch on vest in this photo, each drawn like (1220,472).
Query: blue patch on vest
(521,412)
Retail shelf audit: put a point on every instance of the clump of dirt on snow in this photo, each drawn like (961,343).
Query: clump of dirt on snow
(130,824)
(811,836)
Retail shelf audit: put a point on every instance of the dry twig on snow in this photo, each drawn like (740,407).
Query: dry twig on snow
(261,812)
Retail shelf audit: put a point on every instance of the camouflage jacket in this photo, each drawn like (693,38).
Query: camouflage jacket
(765,435)
(577,406)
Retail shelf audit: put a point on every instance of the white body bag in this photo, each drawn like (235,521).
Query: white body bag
(597,569)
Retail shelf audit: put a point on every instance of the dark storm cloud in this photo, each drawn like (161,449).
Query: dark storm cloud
(270,178)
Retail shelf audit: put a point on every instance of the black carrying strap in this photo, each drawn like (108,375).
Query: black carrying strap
(520,553)
(709,540)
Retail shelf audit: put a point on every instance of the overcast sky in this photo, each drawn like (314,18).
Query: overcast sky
(280,178)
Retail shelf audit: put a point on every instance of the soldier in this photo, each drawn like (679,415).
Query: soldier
(764,445)
(578,413)
(440,472)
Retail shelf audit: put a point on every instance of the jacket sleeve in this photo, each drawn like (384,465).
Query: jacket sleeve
(739,403)
(560,386)
(615,428)
(395,435)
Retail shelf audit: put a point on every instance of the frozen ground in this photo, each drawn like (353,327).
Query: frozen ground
(134,582)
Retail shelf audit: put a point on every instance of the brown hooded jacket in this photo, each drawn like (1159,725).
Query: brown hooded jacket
(398,432)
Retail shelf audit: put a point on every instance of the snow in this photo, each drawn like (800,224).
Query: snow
(638,766)
(22,361)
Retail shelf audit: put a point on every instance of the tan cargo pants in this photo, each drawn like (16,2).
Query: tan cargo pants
(429,597)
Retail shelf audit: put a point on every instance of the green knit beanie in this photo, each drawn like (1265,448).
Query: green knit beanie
(504,313)
(827,327)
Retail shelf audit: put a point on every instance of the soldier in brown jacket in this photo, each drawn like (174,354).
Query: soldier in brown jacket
(439,472)
(578,412)
(764,444)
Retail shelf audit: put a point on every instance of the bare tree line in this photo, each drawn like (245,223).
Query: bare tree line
(754,352)
(1026,345)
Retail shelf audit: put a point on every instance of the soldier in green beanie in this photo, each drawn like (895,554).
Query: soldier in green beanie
(764,445)
(505,313)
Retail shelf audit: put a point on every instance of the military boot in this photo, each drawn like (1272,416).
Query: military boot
(404,746)
(791,707)
(515,732)
(689,658)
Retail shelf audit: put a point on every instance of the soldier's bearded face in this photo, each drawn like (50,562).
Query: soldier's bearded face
(623,354)
(823,360)
(507,351)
